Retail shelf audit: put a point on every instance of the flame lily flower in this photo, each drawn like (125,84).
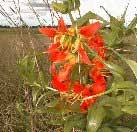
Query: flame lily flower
(91,29)
(51,32)
(66,50)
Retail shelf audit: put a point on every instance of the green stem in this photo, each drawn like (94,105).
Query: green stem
(71,17)
(97,95)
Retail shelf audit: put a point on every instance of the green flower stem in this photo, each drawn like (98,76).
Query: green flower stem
(97,95)
(71,17)
(52,89)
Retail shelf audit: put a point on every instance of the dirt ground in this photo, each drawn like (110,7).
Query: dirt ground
(13,44)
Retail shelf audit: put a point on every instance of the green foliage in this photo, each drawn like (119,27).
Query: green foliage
(27,68)
(95,117)
(67,6)
(130,109)
(133,66)
(84,20)
(115,36)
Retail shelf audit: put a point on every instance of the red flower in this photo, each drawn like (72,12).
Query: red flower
(87,92)
(98,64)
(98,87)
(51,32)
(84,56)
(64,74)
(60,86)
(91,29)
(96,41)
(77,87)
(53,48)
(86,104)
(62,26)
(58,56)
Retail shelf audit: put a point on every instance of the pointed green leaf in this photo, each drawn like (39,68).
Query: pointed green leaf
(133,66)
(130,109)
(85,19)
(94,118)
(132,24)
(77,120)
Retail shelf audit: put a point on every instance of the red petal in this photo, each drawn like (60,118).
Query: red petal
(96,41)
(77,87)
(89,30)
(53,48)
(54,75)
(58,56)
(96,75)
(60,86)
(65,72)
(84,56)
(86,104)
(98,87)
(50,32)
(98,64)
(62,26)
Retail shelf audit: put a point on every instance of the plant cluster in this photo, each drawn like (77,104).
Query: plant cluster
(91,90)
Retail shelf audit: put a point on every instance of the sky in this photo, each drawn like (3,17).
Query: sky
(114,7)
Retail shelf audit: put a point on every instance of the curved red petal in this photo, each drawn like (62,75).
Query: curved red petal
(64,74)
(62,26)
(86,104)
(53,48)
(98,87)
(58,56)
(50,32)
(60,86)
(89,30)
(77,88)
(84,56)
(53,67)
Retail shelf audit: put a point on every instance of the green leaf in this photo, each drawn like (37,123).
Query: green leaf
(132,24)
(105,129)
(130,109)
(85,19)
(115,69)
(124,85)
(121,129)
(131,123)
(75,74)
(111,105)
(95,117)
(60,7)
(133,66)
(77,120)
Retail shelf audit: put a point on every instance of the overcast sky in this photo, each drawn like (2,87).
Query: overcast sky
(114,7)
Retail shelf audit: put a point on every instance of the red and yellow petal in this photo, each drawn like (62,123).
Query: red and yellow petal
(64,74)
(50,32)
(53,48)
(84,56)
